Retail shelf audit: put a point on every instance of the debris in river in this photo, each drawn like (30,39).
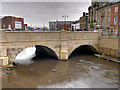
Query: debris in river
(94,67)
(81,60)
(77,66)
(53,70)
(11,68)
(49,81)
(118,67)
(8,69)
(31,69)
(89,62)
(106,70)
(8,72)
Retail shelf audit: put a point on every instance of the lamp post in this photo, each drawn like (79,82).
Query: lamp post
(65,16)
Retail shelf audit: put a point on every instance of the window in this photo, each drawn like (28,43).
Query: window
(102,19)
(116,31)
(98,12)
(18,24)
(103,29)
(98,19)
(108,19)
(9,27)
(83,20)
(4,26)
(111,31)
(103,10)
(109,9)
(115,19)
(116,9)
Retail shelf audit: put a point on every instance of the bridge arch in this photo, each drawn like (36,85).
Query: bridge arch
(42,51)
(91,49)
(13,52)
(47,49)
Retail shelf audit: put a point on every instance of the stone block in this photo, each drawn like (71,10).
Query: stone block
(3,61)
(63,55)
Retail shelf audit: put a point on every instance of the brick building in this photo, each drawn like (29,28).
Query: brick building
(59,25)
(12,23)
(115,19)
(84,21)
(103,17)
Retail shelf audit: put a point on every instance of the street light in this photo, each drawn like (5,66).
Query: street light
(65,16)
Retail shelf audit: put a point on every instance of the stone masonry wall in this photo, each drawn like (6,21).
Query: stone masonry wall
(109,46)
(12,53)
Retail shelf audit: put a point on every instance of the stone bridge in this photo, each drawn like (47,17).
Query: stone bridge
(63,43)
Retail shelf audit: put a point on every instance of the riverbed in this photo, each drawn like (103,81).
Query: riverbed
(85,71)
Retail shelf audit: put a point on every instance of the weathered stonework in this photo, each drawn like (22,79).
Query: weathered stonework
(12,53)
(62,43)
(109,51)
(109,46)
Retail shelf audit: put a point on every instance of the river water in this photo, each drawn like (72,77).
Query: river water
(85,71)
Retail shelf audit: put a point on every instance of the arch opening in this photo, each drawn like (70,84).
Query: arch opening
(34,53)
(84,50)
(43,52)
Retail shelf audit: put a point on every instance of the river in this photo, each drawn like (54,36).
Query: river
(85,71)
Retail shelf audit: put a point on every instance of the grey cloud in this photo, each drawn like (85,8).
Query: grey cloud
(38,13)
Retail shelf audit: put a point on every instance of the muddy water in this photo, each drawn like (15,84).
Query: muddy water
(84,71)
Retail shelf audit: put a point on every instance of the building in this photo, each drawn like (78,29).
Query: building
(12,23)
(115,19)
(108,18)
(92,15)
(25,26)
(103,17)
(52,26)
(0,23)
(84,21)
(76,25)
(59,25)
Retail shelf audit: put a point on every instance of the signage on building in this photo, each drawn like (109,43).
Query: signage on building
(18,25)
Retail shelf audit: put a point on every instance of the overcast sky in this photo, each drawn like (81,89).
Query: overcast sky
(39,13)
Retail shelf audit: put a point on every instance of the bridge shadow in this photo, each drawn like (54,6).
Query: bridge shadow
(83,50)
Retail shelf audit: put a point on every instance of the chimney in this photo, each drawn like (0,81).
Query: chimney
(84,14)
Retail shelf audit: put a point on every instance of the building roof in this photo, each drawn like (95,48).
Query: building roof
(75,22)
(12,17)
(61,22)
